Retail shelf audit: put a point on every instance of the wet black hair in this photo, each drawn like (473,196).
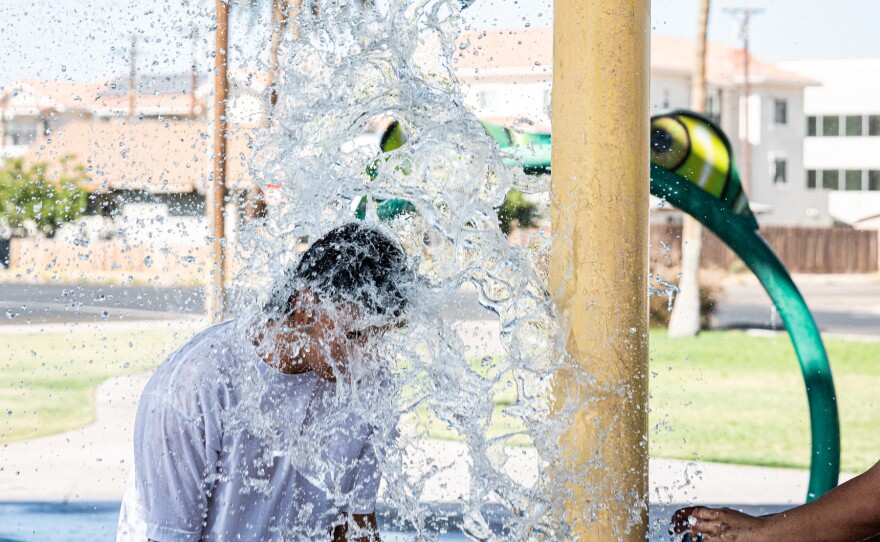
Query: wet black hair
(353,263)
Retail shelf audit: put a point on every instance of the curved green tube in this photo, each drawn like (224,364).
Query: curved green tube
(693,169)
(760,258)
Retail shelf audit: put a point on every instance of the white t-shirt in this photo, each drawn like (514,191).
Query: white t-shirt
(228,448)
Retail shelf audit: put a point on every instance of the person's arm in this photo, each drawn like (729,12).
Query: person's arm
(358,528)
(359,524)
(172,462)
(847,513)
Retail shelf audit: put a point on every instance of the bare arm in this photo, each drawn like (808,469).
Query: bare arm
(359,528)
(847,513)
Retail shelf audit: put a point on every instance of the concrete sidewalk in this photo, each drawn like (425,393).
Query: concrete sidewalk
(92,464)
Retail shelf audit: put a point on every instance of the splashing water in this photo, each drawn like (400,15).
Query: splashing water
(486,384)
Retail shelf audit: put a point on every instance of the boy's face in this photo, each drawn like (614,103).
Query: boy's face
(338,336)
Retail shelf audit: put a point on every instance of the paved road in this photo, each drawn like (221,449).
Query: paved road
(838,308)
(50,303)
(852,309)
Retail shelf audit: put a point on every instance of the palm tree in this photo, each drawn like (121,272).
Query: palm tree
(685,319)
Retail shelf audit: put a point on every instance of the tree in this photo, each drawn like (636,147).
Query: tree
(27,194)
(685,320)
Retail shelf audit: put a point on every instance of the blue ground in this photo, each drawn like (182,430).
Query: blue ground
(96,522)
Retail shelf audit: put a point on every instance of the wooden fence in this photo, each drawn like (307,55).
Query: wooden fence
(803,250)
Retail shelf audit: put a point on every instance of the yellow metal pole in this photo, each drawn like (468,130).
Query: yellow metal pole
(599,264)
(214,289)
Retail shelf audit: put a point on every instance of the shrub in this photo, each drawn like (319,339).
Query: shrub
(27,194)
(516,210)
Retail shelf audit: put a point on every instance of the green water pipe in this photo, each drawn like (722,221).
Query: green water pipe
(760,258)
(713,195)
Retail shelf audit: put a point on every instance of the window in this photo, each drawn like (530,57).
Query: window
(853,179)
(488,99)
(853,125)
(779,171)
(780,112)
(23,132)
(830,179)
(874,125)
(713,107)
(811,179)
(811,126)
(874,180)
(830,126)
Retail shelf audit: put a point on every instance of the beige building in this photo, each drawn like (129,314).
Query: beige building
(31,109)
(147,156)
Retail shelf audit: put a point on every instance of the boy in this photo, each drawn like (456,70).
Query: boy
(271,428)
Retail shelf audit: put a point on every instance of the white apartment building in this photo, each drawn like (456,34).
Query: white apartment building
(842,143)
(507,78)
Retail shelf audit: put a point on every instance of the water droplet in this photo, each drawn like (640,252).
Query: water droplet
(148,261)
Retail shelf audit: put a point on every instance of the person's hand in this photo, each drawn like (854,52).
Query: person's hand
(722,524)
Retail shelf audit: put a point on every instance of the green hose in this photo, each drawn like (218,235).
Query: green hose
(698,175)
(760,258)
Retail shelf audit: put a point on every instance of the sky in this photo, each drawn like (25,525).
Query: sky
(88,41)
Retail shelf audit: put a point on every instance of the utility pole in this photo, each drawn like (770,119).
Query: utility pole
(4,103)
(132,77)
(193,76)
(745,15)
(215,295)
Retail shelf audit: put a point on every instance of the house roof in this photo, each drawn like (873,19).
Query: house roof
(33,96)
(724,63)
(525,54)
(148,155)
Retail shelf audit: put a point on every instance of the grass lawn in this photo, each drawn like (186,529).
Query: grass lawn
(723,396)
(48,380)
(735,398)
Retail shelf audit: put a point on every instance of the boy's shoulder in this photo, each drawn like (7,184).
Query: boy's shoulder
(199,369)
(210,351)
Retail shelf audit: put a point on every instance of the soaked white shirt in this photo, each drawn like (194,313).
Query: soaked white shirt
(204,469)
